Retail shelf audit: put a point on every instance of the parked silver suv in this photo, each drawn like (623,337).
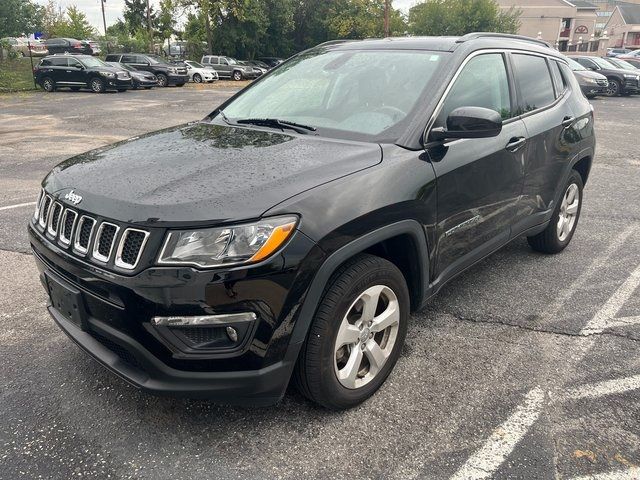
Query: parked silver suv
(227,67)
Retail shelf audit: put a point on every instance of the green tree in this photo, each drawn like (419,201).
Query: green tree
(166,20)
(54,21)
(19,17)
(77,25)
(458,17)
(361,19)
(135,15)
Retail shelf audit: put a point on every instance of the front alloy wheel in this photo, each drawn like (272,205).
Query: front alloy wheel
(613,89)
(197,78)
(97,85)
(237,76)
(162,80)
(356,335)
(366,336)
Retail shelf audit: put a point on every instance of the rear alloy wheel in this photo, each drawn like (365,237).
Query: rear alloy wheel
(48,84)
(613,89)
(197,78)
(162,80)
(564,221)
(356,335)
(97,85)
(237,75)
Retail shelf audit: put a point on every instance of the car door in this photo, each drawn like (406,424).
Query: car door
(224,67)
(545,104)
(76,72)
(479,181)
(59,67)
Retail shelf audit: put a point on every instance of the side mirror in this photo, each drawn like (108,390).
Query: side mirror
(470,122)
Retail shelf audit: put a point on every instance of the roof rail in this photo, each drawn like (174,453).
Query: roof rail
(474,35)
(334,42)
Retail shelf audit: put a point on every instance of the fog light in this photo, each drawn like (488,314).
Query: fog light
(232,334)
(201,320)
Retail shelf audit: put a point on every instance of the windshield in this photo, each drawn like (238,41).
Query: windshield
(602,63)
(623,64)
(365,92)
(93,62)
(232,61)
(575,66)
(124,66)
(156,59)
(195,64)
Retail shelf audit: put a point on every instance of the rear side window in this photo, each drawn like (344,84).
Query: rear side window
(59,62)
(558,82)
(45,63)
(533,78)
(112,58)
(482,83)
(128,58)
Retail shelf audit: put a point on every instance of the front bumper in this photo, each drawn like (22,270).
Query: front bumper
(593,89)
(177,79)
(116,328)
(117,83)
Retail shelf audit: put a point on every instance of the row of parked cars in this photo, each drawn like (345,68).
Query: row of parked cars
(608,76)
(40,48)
(122,71)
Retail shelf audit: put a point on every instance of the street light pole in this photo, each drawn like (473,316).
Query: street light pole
(104,21)
(387,7)
(149,27)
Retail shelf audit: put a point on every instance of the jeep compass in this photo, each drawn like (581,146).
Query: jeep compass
(289,234)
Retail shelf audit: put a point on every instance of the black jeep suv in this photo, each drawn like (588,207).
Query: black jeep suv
(165,73)
(290,233)
(80,71)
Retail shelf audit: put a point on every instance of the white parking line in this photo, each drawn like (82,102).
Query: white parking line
(630,474)
(18,205)
(606,316)
(484,462)
(601,389)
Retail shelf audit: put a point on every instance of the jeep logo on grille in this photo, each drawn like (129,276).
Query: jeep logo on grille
(73,197)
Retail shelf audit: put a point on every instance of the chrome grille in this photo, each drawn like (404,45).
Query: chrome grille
(105,238)
(603,82)
(83,234)
(130,248)
(71,229)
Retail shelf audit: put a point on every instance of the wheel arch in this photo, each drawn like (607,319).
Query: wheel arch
(398,242)
(583,167)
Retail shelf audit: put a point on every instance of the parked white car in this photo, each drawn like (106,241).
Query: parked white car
(198,73)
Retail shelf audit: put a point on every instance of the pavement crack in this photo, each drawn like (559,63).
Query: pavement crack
(538,329)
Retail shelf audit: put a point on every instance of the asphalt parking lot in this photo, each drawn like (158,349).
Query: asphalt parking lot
(525,367)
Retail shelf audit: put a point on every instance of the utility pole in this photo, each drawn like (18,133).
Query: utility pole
(149,31)
(387,8)
(104,21)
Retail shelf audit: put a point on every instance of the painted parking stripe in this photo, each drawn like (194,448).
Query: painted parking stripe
(630,474)
(484,462)
(601,389)
(606,316)
(18,205)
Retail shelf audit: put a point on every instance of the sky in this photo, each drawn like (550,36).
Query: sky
(113,9)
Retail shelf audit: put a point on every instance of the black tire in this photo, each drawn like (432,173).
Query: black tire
(163,81)
(614,88)
(48,85)
(315,374)
(237,75)
(197,78)
(549,240)
(97,85)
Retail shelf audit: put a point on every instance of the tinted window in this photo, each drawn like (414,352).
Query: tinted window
(59,61)
(129,59)
(45,63)
(558,82)
(481,83)
(586,62)
(223,61)
(141,59)
(534,80)
(73,62)
(113,58)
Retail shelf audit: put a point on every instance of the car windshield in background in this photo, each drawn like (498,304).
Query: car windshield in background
(602,63)
(575,66)
(232,61)
(196,64)
(623,64)
(94,62)
(156,59)
(364,92)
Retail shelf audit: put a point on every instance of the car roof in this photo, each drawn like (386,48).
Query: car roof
(472,41)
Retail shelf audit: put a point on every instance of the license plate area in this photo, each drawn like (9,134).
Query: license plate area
(67,300)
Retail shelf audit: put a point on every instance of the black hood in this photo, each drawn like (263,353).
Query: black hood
(204,173)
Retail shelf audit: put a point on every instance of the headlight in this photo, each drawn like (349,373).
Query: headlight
(173,70)
(108,74)
(590,80)
(635,77)
(231,245)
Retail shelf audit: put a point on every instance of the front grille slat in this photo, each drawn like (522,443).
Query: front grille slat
(54,219)
(83,234)
(68,221)
(130,248)
(44,211)
(103,243)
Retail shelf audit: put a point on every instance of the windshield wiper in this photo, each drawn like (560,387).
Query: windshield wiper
(274,122)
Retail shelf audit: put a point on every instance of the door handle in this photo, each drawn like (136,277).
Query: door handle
(516,143)
(567,121)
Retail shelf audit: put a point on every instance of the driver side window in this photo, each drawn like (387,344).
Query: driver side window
(481,83)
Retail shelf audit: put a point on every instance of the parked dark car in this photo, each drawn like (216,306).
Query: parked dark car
(271,61)
(227,67)
(68,45)
(139,78)
(166,73)
(592,83)
(80,71)
(635,61)
(621,82)
(290,233)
